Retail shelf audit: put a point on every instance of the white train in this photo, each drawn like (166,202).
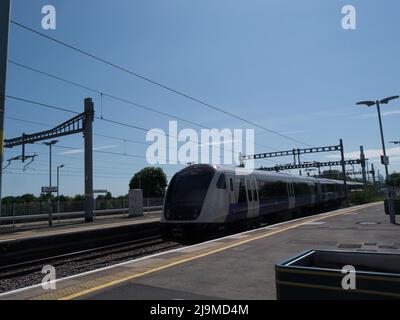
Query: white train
(203,196)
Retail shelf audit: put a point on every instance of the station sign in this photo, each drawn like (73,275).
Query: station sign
(385,160)
(49,189)
(100,191)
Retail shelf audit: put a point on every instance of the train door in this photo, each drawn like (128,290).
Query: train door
(242,202)
(313,192)
(317,190)
(231,190)
(292,196)
(252,196)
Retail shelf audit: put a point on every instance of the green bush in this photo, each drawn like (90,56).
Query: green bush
(367,195)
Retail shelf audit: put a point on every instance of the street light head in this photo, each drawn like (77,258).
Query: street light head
(62,166)
(366,103)
(387,100)
(50,143)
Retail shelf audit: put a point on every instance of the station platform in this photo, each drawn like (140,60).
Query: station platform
(240,266)
(34,231)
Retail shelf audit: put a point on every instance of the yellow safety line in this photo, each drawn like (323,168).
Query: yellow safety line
(114,282)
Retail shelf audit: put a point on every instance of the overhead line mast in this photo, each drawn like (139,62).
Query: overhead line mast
(5,8)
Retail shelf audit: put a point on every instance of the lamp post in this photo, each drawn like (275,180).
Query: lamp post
(50,145)
(58,190)
(385,161)
(377,103)
(367,164)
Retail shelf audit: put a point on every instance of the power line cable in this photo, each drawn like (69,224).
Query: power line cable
(130,102)
(96,117)
(156,83)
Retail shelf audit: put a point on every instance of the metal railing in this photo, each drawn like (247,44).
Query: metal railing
(70,215)
(22,208)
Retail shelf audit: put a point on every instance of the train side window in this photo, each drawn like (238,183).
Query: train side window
(221,184)
(249,191)
(242,192)
(255,191)
(231,184)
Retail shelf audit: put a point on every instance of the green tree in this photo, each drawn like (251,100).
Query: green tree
(332,174)
(337,175)
(9,199)
(78,197)
(151,180)
(394,180)
(108,196)
(28,197)
(367,195)
(46,196)
(63,198)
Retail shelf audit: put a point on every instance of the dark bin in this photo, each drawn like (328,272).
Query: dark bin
(317,275)
(396,205)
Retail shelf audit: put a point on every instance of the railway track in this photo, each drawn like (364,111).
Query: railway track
(27,273)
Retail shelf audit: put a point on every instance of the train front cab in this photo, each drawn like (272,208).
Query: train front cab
(185,198)
(202,197)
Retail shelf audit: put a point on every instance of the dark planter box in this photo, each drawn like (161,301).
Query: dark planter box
(317,275)
(396,205)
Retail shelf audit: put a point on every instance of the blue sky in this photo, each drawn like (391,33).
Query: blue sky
(287,65)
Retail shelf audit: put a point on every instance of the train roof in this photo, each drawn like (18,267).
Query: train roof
(277,175)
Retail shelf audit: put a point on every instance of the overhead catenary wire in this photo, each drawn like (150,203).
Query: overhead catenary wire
(103,94)
(124,100)
(95,134)
(68,175)
(156,83)
(74,158)
(46,105)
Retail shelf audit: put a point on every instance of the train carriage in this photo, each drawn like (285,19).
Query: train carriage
(204,196)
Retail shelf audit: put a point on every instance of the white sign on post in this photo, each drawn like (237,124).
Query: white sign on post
(100,191)
(49,189)
(385,160)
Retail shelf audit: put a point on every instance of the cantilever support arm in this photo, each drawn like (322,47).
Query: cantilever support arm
(72,126)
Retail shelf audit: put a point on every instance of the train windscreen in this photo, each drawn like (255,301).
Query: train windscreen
(186,194)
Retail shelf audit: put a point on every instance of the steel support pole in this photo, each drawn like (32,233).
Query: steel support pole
(50,211)
(58,193)
(391,209)
(298,158)
(49,202)
(50,147)
(382,139)
(346,194)
(58,181)
(88,135)
(373,173)
(362,157)
(5,8)
(294,156)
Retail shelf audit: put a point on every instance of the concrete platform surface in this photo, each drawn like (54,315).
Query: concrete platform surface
(236,267)
(9,234)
